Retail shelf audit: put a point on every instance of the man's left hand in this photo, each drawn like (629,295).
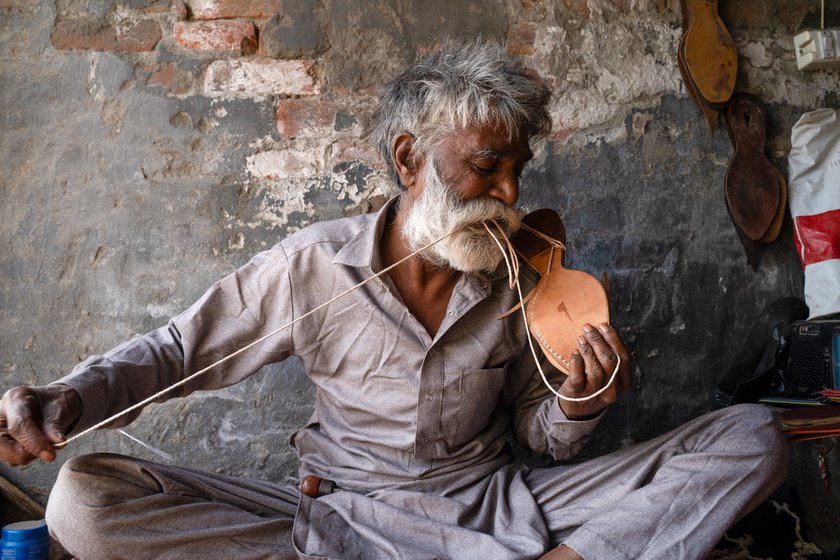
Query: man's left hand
(591,368)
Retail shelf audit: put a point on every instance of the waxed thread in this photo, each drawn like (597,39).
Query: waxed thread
(187,379)
(514,279)
(513,271)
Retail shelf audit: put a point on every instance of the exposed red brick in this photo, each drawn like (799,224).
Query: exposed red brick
(226,9)
(259,77)
(216,35)
(169,76)
(521,38)
(83,35)
(179,9)
(347,152)
(303,118)
(579,7)
(249,46)
(537,7)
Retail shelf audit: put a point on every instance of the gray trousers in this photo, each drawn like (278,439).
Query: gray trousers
(669,498)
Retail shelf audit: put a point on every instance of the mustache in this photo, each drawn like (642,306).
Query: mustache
(474,213)
(439,211)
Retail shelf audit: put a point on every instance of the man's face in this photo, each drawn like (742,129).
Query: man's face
(483,162)
(472,177)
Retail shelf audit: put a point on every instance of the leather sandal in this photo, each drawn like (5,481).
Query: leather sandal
(776,224)
(544,249)
(540,243)
(563,299)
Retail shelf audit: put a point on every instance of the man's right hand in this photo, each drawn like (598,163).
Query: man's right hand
(34,419)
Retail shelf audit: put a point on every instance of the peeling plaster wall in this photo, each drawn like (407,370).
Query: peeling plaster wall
(137,168)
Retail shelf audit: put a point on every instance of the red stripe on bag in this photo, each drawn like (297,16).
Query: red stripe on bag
(818,237)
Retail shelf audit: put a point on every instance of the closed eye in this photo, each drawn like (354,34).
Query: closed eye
(484,162)
(484,170)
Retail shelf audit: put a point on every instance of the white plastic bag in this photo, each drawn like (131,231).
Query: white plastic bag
(814,199)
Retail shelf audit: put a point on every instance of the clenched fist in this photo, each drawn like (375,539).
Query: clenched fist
(34,419)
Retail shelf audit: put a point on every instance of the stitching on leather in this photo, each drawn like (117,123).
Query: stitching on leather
(535,330)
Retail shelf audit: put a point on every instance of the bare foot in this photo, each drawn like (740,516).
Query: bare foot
(562,552)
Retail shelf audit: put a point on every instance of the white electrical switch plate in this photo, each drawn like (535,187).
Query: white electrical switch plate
(817,49)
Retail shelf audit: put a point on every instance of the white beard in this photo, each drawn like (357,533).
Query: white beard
(438,211)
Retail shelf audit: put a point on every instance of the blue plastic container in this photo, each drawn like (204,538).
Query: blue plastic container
(25,540)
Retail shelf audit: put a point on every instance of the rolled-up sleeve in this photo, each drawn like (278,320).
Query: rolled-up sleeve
(538,421)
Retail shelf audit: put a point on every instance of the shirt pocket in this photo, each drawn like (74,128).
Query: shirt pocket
(478,392)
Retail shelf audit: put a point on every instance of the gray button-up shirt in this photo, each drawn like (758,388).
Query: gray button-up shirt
(394,405)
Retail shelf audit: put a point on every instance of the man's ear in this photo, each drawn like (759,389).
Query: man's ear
(405,159)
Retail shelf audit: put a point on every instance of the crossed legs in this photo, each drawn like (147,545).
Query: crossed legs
(671,497)
(110,507)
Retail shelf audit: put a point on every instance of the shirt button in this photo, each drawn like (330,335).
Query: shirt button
(450,313)
(484,286)
(428,397)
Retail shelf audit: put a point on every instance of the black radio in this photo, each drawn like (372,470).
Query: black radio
(814,356)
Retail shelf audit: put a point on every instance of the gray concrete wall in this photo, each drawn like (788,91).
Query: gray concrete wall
(137,167)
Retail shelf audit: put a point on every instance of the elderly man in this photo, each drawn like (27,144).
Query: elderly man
(419,387)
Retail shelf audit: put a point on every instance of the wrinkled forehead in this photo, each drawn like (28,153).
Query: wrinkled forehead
(488,142)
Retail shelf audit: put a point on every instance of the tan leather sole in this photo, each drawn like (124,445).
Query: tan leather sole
(754,188)
(709,50)
(563,299)
(710,115)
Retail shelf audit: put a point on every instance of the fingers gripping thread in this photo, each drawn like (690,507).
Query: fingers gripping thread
(513,275)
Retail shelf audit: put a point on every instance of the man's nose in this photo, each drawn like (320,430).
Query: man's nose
(506,189)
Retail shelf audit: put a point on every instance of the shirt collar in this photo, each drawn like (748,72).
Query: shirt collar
(363,249)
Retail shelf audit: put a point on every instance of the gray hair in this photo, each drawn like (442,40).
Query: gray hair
(457,86)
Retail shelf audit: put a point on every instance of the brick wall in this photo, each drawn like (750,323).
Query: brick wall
(219,49)
(148,147)
(308,64)
(317,63)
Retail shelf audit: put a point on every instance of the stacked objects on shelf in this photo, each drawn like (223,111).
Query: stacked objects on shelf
(803,424)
